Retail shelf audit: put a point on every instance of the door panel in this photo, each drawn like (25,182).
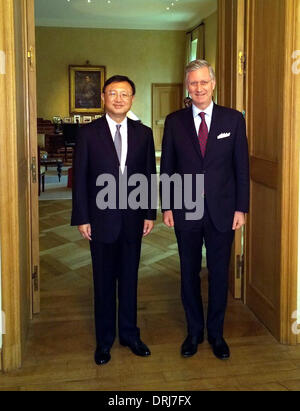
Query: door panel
(166,98)
(265,127)
(23,168)
(32,155)
(271,237)
(27,153)
(17,198)
(26,150)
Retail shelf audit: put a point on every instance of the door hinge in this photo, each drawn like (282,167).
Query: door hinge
(242,63)
(33,169)
(31,56)
(239,266)
(35,278)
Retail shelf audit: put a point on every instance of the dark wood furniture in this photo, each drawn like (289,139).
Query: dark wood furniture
(45,126)
(69,133)
(58,145)
(53,141)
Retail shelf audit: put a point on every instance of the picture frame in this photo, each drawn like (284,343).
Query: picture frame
(77,119)
(67,120)
(56,119)
(86,84)
(86,119)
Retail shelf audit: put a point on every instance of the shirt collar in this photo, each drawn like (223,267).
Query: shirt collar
(113,123)
(208,111)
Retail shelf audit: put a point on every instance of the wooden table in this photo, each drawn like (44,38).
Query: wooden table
(53,162)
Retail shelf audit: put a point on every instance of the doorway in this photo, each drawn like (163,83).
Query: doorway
(166,98)
(271,170)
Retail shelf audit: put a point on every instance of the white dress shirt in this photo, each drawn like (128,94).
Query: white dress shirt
(124,137)
(208,115)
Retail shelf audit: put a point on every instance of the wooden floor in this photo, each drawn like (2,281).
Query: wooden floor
(61,344)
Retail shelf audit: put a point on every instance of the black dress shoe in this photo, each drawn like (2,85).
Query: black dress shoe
(220,348)
(137,347)
(102,355)
(190,345)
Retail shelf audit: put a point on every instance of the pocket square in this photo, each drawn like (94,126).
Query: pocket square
(223,135)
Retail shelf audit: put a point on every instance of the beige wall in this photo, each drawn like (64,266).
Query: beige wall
(211,32)
(145,56)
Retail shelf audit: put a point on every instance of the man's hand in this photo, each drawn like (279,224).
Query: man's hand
(85,231)
(148,226)
(168,218)
(238,220)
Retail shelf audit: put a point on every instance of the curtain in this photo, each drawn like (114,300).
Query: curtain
(200,35)
(187,60)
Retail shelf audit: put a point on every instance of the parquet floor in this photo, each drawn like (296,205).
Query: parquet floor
(60,347)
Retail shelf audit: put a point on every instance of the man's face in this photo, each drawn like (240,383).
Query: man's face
(200,87)
(118,98)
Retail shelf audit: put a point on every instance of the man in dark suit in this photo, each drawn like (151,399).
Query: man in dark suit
(211,140)
(113,146)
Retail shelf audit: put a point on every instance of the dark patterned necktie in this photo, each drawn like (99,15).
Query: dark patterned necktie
(203,134)
(118,142)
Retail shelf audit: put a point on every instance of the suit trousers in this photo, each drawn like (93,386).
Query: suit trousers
(115,266)
(218,250)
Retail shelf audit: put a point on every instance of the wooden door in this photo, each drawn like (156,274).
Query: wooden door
(18,189)
(231,93)
(166,98)
(32,153)
(274,158)
(26,129)
(23,167)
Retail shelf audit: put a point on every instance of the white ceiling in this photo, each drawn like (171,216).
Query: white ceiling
(124,14)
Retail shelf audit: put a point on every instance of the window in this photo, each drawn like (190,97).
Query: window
(194,45)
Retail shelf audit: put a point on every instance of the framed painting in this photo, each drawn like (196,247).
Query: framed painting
(86,83)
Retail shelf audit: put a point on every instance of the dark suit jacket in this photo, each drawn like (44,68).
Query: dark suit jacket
(225,165)
(95,154)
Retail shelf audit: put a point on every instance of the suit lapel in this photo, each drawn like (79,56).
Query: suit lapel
(191,130)
(212,132)
(105,135)
(130,144)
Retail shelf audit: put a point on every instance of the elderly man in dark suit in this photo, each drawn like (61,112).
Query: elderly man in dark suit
(114,146)
(210,140)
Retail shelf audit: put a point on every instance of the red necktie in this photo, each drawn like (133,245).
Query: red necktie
(203,134)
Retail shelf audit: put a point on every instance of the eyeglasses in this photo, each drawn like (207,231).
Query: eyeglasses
(114,94)
(202,83)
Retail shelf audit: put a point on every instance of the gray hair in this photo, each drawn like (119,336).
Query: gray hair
(199,64)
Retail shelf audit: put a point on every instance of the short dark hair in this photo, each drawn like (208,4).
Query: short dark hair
(118,79)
